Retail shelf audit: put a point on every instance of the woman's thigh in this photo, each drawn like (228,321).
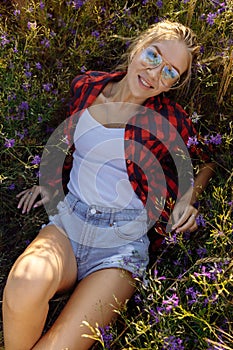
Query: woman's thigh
(48,259)
(94,300)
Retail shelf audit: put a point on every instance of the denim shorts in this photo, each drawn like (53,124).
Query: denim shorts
(104,237)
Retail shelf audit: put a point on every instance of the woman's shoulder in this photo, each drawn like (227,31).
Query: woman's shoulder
(166,106)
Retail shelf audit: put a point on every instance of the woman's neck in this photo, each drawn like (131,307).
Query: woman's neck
(120,92)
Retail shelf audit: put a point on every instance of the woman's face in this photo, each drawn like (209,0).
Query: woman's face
(157,68)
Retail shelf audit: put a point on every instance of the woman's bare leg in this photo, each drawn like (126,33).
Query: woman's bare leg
(94,301)
(48,265)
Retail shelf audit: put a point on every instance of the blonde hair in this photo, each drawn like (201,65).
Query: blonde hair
(165,30)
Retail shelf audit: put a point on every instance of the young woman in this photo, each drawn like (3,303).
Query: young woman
(123,183)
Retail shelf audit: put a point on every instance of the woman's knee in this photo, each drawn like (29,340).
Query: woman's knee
(34,278)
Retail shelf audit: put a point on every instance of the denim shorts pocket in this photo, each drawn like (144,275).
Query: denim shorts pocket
(132,229)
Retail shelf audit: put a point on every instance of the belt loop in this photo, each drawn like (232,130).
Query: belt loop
(71,201)
(111,219)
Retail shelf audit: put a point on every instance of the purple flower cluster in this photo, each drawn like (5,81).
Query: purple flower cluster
(173,343)
(192,141)
(213,139)
(47,87)
(45,42)
(200,220)
(36,160)
(212,272)
(192,295)
(211,16)
(159,4)
(106,336)
(76,3)
(3,39)
(170,303)
(9,143)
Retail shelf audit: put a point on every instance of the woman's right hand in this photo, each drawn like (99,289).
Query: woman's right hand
(28,198)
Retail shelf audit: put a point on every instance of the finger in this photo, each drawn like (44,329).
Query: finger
(190,224)
(43,201)
(23,199)
(180,221)
(31,199)
(28,199)
(188,213)
(21,193)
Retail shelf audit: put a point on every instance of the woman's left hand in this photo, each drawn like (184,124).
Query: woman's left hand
(184,217)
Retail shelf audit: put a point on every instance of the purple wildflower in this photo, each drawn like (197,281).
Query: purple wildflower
(38,66)
(171,302)
(210,18)
(83,69)
(31,25)
(202,17)
(172,343)
(78,4)
(42,5)
(106,336)
(202,49)
(45,42)
(171,239)
(24,106)
(203,273)
(36,160)
(4,40)
(200,220)
(137,298)
(144,2)
(159,4)
(11,97)
(201,252)
(22,135)
(47,87)
(192,141)
(95,33)
(11,187)
(16,12)
(26,86)
(162,278)
(216,140)
(28,74)
(154,315)
(193,294)
(9,143)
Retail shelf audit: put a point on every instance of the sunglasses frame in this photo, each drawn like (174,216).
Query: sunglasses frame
(145,54)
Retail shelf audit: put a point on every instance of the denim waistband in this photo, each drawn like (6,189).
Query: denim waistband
(84,211)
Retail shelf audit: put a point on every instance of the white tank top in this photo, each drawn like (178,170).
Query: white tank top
(98,175)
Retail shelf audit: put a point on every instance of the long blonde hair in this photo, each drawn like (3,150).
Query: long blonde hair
(165,30)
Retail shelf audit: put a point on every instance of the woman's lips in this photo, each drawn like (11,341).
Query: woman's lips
(146,84)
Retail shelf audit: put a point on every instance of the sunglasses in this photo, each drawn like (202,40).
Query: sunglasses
(169,75)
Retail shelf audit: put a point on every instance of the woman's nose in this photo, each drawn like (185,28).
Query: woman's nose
(154,72)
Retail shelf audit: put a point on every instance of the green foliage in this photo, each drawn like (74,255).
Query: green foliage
(187,302)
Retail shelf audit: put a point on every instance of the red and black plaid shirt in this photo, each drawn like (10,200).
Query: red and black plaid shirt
(148,139)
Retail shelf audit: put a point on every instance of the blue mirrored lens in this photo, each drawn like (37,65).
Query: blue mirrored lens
(169,75)
(151,57)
